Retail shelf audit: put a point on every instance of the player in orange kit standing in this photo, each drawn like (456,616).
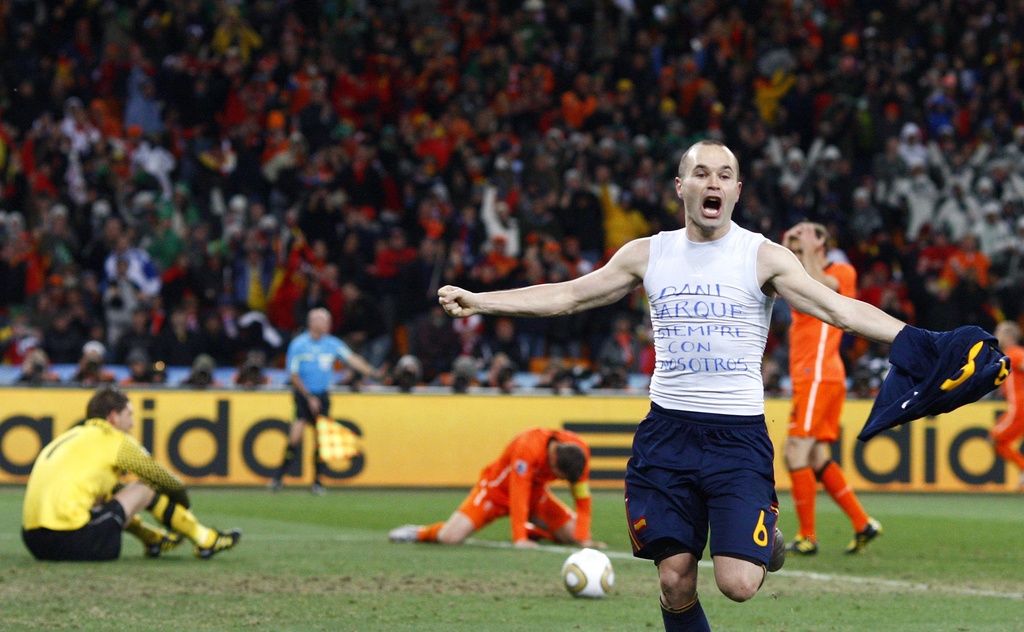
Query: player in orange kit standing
(819,388)
(516,485)
(1009,427)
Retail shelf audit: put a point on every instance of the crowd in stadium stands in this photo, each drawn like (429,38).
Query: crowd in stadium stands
(186,179)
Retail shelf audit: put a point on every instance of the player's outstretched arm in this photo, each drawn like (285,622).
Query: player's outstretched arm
(779,270)
(605,285)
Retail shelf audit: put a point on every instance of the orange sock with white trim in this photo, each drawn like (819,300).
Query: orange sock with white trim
(429,532)
(834,480)
(805,491)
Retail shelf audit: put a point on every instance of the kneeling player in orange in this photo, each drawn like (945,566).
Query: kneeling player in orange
(1009,427)
(819,388)
(516,485)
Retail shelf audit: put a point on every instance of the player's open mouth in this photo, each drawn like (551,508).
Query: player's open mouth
(712,205)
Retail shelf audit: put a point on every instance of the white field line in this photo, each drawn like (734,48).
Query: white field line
(620,555)
(820,577)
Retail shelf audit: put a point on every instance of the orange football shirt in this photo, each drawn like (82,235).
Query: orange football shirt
(813,345)
(522,466)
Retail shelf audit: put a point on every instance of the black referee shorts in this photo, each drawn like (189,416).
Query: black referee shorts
(302,410)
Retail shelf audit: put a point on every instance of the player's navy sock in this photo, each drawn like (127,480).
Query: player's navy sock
(689,618)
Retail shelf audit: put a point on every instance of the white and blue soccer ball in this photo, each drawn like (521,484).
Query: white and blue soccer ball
(588,573)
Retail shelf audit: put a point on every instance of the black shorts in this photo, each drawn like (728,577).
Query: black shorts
(302,410)
(98,541)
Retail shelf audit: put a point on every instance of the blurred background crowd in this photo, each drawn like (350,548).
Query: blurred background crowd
(182,180)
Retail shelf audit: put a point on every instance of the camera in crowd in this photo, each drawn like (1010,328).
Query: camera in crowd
(201,375)
(90,365)
(464,371)
(501,373)
(142,371)
(566,379)
(251,375)
(35,369)
(408,372)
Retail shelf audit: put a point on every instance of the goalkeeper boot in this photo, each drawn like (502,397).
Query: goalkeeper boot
(778,557)
(802,546)
(317,489)
(861,540)
(170,541)
(405,533)
(274,485)
(224,541)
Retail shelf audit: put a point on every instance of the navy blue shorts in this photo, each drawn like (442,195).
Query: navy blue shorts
(692,470)
(98,541)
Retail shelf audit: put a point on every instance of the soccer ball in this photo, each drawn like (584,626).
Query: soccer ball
(588,573)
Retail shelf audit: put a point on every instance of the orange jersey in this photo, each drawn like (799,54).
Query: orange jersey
(1013,387)
(813,345)
(522,467)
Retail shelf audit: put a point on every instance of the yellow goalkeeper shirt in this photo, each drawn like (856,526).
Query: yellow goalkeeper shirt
(81,467)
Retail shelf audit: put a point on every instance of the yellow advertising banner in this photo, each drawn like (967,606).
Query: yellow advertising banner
(414,440)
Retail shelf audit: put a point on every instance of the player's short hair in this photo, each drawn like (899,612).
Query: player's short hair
(707,141)
(106,400)
(821,232)
(570,460)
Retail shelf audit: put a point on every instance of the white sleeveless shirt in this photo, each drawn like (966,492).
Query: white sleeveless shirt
(710,321)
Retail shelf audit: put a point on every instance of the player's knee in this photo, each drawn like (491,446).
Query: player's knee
(677,589)
(796,456)
(740,587)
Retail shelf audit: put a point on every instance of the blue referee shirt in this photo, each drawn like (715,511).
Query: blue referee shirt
(313,360)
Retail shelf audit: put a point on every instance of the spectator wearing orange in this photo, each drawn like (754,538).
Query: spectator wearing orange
(579,102)
(966,260)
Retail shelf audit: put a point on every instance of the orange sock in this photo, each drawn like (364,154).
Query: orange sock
(429,532)
(1008,452)
(804,490)
(835,484)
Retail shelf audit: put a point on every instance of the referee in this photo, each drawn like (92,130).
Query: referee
(310,361)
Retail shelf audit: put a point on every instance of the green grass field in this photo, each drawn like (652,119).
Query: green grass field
(946,562)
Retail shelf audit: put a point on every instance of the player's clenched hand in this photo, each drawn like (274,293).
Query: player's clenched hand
(456,301)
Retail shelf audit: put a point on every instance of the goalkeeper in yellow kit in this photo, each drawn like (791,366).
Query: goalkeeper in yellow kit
(76,508)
